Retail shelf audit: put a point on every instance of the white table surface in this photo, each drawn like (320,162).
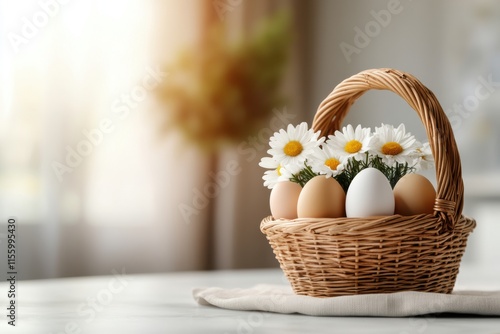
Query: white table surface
(163,303)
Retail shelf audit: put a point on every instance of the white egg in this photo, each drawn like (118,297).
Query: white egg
(369,194)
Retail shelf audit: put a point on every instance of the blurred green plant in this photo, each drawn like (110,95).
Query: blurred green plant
(221,92)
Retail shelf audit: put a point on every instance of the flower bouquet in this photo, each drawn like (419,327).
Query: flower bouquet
(299,155)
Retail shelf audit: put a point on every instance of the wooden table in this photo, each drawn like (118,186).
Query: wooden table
(162,303)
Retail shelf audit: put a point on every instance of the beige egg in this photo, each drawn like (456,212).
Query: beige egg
(414,194)
(321,197)
(283,200)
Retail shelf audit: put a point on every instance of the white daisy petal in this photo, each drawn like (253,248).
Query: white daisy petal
(425,159)
(268,162)
(292,147)
(271,178)
(351,143)
(326,161)
(394,145)
(275,175)
(290,170)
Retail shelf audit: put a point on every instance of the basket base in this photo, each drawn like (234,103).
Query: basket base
(323,261)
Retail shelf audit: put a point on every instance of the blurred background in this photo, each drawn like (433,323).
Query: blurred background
(131,131)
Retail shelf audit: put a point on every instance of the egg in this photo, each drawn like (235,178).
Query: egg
(283,200)
(369,194)
(414,194)
(321,197)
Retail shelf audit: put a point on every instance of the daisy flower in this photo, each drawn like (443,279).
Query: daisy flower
(394,145)
(326,161)
(293,146)
(425,158)
(277,172)
(272,176)
(351,143)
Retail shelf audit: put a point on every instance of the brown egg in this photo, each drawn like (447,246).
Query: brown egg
(283,200)
(321,197)
(414,194)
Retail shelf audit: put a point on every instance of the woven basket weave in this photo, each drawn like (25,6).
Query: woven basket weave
(344,256)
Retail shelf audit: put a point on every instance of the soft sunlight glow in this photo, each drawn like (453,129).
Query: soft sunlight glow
(61,69)
(6,90)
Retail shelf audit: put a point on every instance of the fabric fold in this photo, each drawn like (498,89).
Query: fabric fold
(281,299)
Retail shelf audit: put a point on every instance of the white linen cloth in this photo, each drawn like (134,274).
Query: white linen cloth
(281,299)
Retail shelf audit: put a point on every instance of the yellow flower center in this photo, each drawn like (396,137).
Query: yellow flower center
(293,148)
(332,163)
(392,148)
(278,170)
(353,146)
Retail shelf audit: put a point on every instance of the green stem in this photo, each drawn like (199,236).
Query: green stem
(353,167)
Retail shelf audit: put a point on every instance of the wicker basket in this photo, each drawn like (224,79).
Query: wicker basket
(345,256)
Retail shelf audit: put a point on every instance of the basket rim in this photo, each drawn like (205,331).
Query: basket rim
(448,204)
(331,226)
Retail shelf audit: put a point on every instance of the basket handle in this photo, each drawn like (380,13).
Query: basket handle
(331,112)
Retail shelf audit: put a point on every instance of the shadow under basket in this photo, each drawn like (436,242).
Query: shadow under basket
(327,257)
